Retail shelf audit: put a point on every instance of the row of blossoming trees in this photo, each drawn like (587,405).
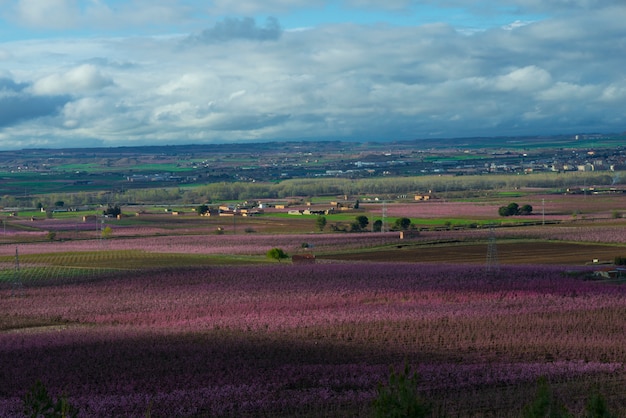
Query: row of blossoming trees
(290,340)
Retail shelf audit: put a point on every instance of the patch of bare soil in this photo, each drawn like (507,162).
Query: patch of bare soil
(543,252)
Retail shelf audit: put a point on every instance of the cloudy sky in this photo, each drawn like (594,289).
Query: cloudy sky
(138,72)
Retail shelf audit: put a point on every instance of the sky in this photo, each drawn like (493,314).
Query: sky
(108,73)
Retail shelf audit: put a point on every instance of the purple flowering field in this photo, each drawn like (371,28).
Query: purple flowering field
(312,340)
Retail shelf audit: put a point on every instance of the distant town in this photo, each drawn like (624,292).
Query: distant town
(75,170)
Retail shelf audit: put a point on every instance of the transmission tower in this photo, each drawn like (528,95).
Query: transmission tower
(492,266)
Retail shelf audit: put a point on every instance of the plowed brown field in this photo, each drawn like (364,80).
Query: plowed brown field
(540,252)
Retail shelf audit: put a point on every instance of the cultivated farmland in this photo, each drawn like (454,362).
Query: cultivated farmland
(287,340)
(180,315)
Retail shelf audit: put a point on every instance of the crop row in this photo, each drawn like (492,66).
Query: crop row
(211,244)
(295,338)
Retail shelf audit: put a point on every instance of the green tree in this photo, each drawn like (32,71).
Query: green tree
(276,254)
(402,223)
(511,209)
(112,211)
(202,209)
(525,210)
(377,226)
(362,221)
(320,222)
(107,232)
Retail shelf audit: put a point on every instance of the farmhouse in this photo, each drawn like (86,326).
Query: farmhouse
(251,213)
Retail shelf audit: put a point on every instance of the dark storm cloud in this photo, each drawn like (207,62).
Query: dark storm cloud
(8,85)
(245,28)
(16,105)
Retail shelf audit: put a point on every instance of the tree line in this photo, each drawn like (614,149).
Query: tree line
(392,187)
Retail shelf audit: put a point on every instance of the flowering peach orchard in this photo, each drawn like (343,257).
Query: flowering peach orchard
(173,317)
(311,340)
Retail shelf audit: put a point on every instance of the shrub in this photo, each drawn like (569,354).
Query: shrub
(544,404)
(400,398)
(596,407)
(38,403)
(276,254)
(619,261)
(107,232)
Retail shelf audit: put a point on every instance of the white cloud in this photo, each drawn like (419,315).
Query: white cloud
(254,7)
(563,91)
(548,5)
(81,79)
(334,81)
(614,93)
(4,54)
(101,14)
(529,78)
(393,5)
(47,13)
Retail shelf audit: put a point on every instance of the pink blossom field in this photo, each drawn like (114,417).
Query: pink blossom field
(607,231)
(253,244)
(124,336)
(287,340)
(549,207)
